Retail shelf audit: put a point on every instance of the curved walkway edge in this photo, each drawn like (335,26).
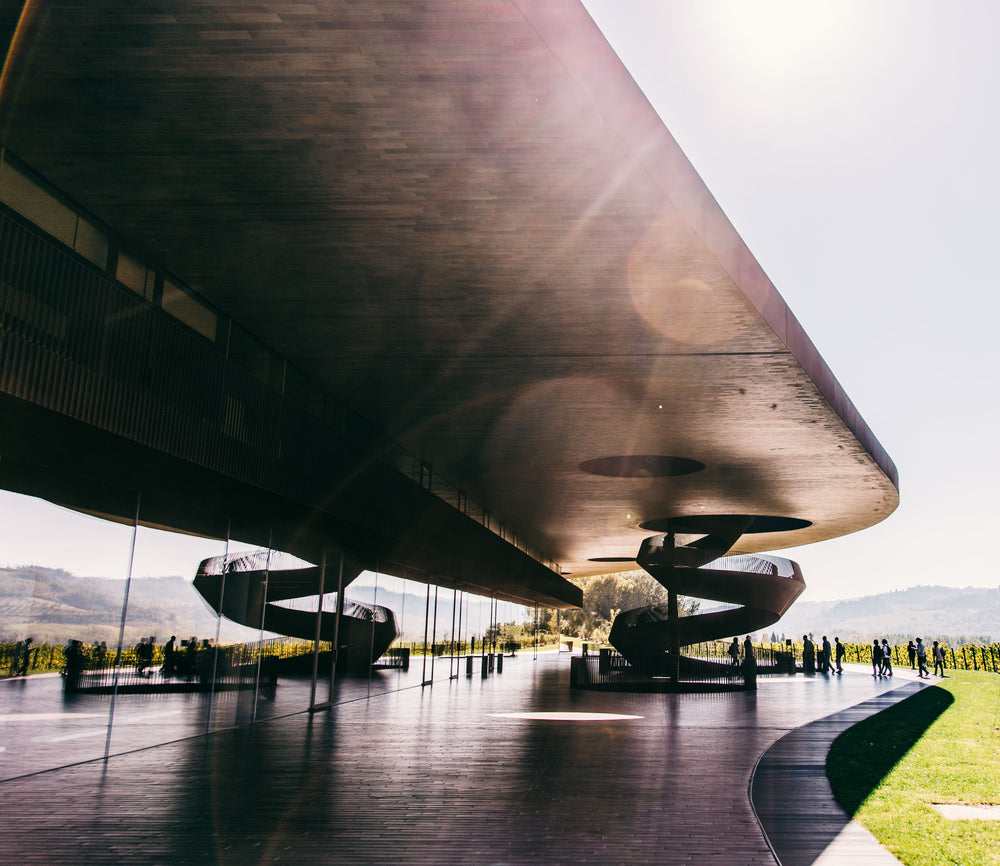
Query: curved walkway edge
(793,801)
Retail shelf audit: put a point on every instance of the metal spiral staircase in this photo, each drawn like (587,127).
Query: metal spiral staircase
(244,587)
(690,559)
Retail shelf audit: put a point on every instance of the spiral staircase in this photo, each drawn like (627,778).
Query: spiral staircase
(245,587)
(690,558)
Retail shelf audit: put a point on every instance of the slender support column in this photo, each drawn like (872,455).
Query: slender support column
(673,615)
(218,630)
(427,617)
(313,706)
(121,627)
(335,653)
(434,632)
(452,660)
(263,613)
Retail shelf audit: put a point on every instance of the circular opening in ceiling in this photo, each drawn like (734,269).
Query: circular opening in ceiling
(706,523)
(642,466)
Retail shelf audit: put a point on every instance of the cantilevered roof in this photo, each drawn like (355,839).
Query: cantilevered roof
(466,221)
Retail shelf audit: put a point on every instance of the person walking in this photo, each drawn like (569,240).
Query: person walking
(824,664)
(840,653)
(911,651)
(921,659)
(886,658)
(876,659)
(937,653)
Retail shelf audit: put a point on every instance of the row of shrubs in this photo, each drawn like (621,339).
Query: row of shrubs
(967,657)
(51,657)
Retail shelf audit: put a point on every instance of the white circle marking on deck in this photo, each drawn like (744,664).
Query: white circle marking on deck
(566,717)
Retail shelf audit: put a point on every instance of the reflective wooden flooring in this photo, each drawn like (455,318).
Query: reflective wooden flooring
(511,769)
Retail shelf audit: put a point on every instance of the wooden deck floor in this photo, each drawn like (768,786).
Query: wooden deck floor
(462,772)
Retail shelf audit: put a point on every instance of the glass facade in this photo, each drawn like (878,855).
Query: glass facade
(106,643)
(108,646)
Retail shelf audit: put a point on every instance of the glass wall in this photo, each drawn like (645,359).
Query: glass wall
(111,636)
(63,576)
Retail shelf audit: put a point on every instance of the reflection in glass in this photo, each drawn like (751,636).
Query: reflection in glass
(183,669)
(121,634)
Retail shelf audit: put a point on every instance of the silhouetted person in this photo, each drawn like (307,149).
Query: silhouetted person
(921,660)
(876,659)
(824,664)
(168,657)
(749,665)
(74,665)
(937,653)
(15,658)
(734,651)
(911,651)
(808,655)
(191,657)
(144,654)
(25,662)
(841,652)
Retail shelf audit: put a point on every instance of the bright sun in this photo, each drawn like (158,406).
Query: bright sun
(771,40)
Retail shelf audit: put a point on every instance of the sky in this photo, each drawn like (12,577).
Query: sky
(854,146)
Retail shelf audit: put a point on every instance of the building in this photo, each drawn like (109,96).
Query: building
(426,290)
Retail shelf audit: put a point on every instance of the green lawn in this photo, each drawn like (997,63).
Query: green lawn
(939,746)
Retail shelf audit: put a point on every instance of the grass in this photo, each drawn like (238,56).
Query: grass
(941,745)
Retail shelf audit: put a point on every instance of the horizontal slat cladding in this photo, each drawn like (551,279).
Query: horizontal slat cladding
(78,344)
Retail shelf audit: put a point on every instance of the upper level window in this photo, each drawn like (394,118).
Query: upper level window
(192,313)
(134,274)
(39,206)
(46,211)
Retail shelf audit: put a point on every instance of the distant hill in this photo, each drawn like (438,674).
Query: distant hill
(53,606)
(934,612)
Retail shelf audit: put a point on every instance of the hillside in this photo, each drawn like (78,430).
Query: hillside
(53,606)
(934,612)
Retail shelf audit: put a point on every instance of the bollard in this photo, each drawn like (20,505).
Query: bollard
(499,663)
(484,669)
(492,661)
(468,666)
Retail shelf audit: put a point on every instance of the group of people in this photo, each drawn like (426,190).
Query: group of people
(180,661)
(882,658)
(916,653)
(734,651)
(829,659)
